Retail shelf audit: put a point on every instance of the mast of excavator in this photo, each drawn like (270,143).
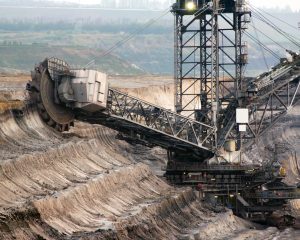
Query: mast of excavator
(210,57)
(214,85)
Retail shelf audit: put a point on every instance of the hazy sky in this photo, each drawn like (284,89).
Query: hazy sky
(293,4)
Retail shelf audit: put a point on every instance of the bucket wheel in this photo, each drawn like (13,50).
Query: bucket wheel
(41,90)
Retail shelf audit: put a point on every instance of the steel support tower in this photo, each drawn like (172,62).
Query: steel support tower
(210,59)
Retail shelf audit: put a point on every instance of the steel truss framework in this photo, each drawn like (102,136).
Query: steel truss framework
(272,106)
(267,107)
(183,130)
(209,62)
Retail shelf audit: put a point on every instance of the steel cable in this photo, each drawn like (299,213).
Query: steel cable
(128,38)
(265,20)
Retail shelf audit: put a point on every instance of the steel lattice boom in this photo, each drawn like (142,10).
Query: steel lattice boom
(160,120)
(154,124)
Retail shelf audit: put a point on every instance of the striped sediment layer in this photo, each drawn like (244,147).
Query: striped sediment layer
(82,186)
(87,184)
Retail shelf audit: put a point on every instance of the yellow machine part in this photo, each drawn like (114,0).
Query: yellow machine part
(282,172)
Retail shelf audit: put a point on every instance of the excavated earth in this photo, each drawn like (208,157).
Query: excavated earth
(87,184)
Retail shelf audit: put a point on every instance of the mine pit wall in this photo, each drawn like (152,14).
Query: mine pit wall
(78,187)
(73,187)
(20,136)
(158,95)
(164,95)
(86,184)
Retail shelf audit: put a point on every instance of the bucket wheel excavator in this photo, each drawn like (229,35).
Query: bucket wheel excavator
(231,114)
(62,95)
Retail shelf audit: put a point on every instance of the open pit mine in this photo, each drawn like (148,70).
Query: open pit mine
(88,156)
(88,184)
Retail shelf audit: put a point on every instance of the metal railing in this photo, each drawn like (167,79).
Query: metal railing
(276,195)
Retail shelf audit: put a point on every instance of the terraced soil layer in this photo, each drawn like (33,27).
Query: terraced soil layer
(87,184)
(69,187)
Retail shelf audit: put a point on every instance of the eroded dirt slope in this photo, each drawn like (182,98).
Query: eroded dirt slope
(87,184)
